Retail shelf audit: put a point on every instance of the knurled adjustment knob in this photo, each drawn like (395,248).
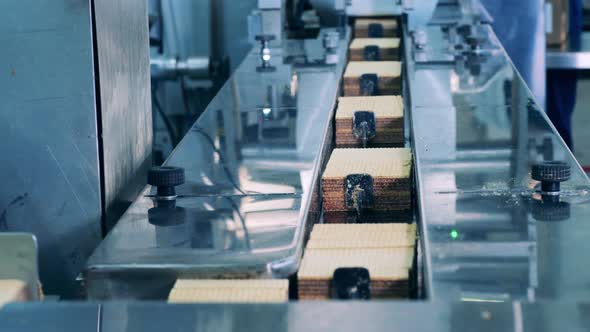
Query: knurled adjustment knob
(551,211)
(166,178)
(551,174)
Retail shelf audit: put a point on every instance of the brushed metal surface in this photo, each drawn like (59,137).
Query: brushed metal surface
(311,316)
(48,134)
(122,51)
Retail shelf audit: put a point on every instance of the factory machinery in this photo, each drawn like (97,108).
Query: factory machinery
(501,204)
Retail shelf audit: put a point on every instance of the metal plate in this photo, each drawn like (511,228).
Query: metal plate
(125,104)
(48,134)
(309,317)
(253,158)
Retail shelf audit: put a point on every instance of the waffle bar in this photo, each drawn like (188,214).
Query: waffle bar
(372,78)
(374,49)
(229,291)
(388,114)
(390,169)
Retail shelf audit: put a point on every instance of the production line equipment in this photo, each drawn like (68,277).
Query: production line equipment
(240,195)
(364,150)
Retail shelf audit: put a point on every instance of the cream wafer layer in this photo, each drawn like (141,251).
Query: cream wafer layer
(381,68)
(383,264)
(382,106)
(386,162)
(230,291)
(335,236)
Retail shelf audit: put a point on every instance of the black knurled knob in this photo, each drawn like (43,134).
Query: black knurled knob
(551,173)
(551,211)
(166,178)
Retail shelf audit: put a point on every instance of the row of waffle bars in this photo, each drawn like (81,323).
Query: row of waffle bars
(366,246)
(365,249)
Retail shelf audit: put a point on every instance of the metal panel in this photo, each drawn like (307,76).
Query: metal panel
(187,27)
(488,233)
(48,133)
(252,164)
(125,105)
(311,316)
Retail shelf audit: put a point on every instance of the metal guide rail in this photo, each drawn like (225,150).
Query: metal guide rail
(294,317)
(496,224)
(252,164)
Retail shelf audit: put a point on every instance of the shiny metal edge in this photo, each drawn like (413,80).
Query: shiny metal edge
(408,66)
(342,316)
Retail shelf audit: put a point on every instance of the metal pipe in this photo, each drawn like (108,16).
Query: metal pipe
(167,68)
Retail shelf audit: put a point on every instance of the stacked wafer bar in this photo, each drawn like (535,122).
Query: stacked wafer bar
(374,49)
(372,78)
(229,291)
(376,28)
(371,71)
(389,121)
(386,251)
(390,169)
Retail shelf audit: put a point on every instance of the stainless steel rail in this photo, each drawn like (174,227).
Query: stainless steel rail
(294,317)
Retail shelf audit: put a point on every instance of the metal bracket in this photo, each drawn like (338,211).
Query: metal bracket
(351,283)
(369,84)
(359,192)
(371,53)
(375,30)
(364,126)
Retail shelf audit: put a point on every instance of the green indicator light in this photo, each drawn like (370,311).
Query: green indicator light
(454,234)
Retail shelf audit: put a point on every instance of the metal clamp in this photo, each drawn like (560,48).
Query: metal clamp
(351,283)
(369,84)
(371,53)
(264,53)
(359,192)
(364,126)
(375,30)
